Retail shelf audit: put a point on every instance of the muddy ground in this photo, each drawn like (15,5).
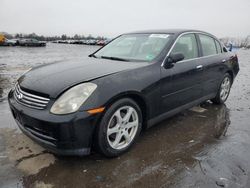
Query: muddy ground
(206,146)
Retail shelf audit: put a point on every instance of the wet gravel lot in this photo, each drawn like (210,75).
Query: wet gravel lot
(206,146)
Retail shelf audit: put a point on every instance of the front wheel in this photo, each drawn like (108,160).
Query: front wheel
(119,128)
(224,90)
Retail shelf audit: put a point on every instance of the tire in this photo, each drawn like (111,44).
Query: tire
(225,85)
(114,120)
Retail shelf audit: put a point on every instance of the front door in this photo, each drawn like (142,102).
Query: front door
(181,84)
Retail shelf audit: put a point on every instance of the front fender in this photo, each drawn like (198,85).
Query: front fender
(142,82)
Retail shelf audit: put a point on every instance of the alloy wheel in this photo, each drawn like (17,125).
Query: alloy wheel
(122,127)
(225,88)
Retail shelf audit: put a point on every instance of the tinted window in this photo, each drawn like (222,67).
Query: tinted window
(186,45)
(218,47)
(208,45)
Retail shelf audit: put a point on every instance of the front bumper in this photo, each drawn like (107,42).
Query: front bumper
(69,134)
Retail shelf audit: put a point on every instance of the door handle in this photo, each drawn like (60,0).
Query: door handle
(199,67)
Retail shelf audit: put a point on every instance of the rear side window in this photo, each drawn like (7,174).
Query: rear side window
(218,47)
(186,45)
(207,45)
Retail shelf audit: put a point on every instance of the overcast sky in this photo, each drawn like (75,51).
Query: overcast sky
(112,17)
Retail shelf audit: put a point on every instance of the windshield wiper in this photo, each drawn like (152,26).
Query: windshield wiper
(114,58)
(92,55)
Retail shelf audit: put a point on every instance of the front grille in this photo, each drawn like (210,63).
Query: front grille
(30,100)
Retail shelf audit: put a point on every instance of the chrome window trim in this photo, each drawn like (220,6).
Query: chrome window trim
(189,32)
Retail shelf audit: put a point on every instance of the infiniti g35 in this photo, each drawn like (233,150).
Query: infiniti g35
(106,99)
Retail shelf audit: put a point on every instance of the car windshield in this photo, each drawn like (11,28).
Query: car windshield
(134,47)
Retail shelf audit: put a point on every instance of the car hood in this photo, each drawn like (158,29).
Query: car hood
(52,79)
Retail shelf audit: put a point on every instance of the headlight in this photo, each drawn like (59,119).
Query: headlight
(72,99)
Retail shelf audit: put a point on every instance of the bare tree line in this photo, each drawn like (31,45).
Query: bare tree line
(237,42)
(51,38)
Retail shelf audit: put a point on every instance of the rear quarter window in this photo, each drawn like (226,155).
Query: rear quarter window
(218,47)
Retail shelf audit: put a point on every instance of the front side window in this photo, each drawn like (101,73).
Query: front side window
(140,47)
(186,45)
(207,45)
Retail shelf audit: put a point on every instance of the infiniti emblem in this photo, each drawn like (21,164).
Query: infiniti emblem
(19,96)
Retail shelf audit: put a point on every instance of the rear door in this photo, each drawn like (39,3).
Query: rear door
(212,61)
(181,83)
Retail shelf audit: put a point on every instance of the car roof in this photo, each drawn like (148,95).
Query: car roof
(169,31)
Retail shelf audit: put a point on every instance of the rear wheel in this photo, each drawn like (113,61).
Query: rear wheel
(119,128)
(224,90)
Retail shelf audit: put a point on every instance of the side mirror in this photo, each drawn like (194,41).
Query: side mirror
(173,58)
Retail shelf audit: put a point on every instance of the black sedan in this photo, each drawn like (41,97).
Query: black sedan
(105,100)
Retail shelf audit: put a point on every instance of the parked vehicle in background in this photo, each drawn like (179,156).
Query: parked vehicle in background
(76,42)
(107,41)
(11,42)
(101,42)
(31,43)
(92,42)
(84,41)
(64,42)
(134,82)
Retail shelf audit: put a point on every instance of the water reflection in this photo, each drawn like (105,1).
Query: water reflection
(222,121)
(160,154)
